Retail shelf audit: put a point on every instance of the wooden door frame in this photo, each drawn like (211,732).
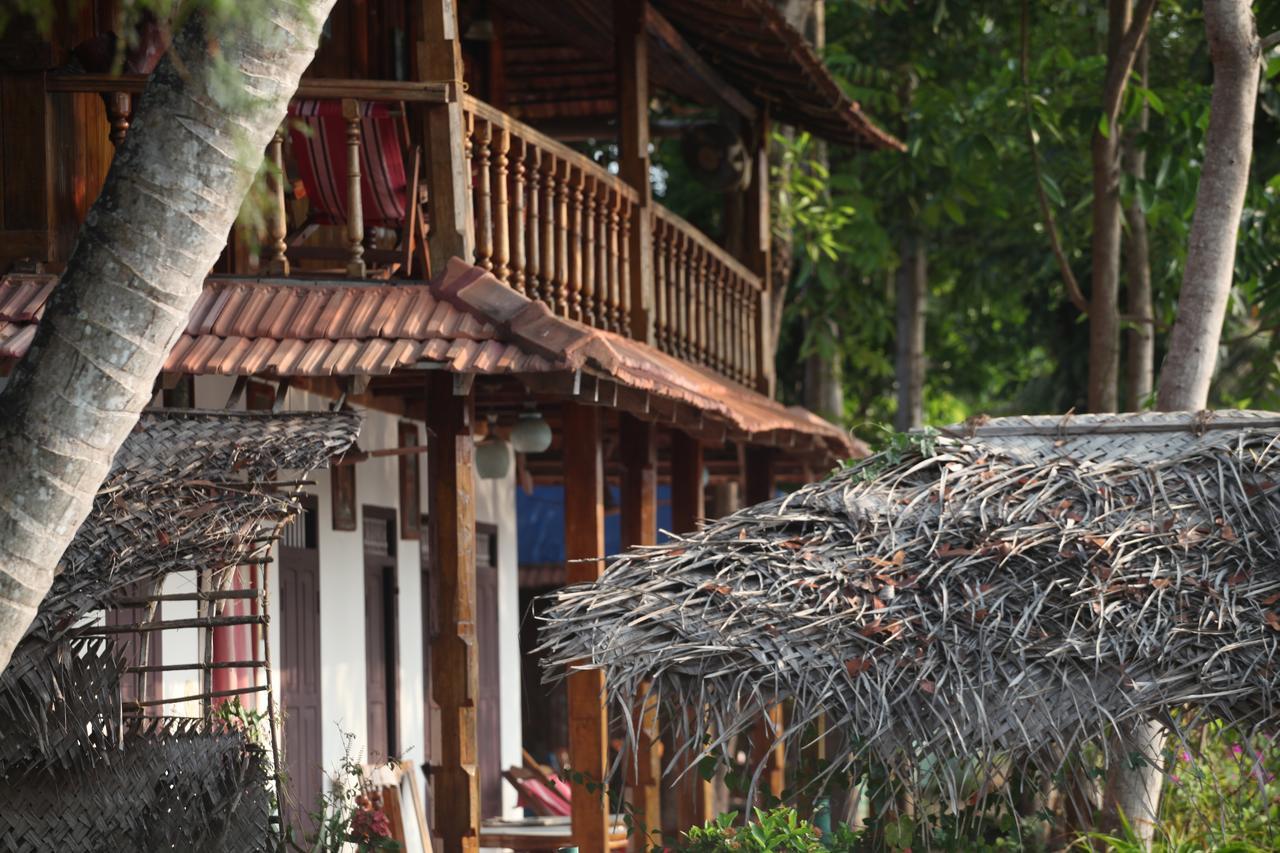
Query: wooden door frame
(371,511)
(307,503)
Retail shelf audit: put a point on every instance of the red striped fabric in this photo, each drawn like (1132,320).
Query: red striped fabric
(318,134)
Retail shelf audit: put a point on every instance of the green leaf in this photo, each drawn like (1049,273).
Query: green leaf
(953,210)
(1052,190)
(1104,126)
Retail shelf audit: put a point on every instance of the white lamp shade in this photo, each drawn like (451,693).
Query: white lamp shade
(531,434)
(493,459)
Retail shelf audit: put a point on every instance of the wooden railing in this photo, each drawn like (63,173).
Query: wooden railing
(550,222)
(706,304)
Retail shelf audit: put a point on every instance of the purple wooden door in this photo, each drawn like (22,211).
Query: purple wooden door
(380,633)
(489,708)
(300,668)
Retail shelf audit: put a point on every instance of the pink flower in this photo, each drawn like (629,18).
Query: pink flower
(1186,756)
(1237,750)
(1175,779)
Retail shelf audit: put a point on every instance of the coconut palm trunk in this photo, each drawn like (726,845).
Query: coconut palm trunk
(172,195)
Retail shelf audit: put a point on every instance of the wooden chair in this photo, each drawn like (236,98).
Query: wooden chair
(347,149)
(537,793)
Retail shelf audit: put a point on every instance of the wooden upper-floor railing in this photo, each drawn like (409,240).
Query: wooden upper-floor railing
(549,221)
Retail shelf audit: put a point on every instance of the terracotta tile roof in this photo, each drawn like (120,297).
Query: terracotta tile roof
(466,319)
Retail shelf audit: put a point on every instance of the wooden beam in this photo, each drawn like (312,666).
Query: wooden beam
(669,40)
(639,446)
(584,541)
(631,49)
(448,173)
(454,663)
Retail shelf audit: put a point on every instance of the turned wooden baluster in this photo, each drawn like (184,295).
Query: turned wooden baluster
(721,317)
(576,180)
(753,309)
(670,258)
(519,220)
(278,226)
(627,215)
(535,278)
(737,326)
(119,110)
(681,302)
(484,194)
(604,300)
(355,207)
(660,286)
(616,316)
(550,233)
(562,306)
(501,205)
(587,250)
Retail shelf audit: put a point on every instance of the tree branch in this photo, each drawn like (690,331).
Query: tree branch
(1270,41)
(1046,211)
(1118,72)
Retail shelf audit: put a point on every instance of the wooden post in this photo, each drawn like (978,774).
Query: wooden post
(279,262)
(759,253)
(695,803)
(454,663)
(631,48)
(760,487)
(639,445)
(355,207)
(448,174)
(584,539)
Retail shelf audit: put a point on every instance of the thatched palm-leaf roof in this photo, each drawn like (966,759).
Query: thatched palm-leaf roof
(1013,589)
(188,489)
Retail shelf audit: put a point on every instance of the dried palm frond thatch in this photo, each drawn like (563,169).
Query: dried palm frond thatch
(1009,590)
(188,490)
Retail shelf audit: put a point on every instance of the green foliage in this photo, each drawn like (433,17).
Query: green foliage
(347,816)
(778,830)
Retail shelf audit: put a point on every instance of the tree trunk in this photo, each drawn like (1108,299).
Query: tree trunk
(912,295)
(171,196)
(1206,282)
(1104,305)
(1140,358)
(1211,247)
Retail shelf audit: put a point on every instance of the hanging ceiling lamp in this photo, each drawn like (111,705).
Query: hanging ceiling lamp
(493,455)
(531,434)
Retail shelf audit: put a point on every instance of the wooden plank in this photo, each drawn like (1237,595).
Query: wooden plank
(639,446)
(454,663)
(584,540)
(676,48)
(407,91)
(448,173)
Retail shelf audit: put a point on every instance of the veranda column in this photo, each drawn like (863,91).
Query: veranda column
(760,486)
(759,254)
(695,805)
(584,539)
(448,174)
(631,49)
(454,664)
(638,441)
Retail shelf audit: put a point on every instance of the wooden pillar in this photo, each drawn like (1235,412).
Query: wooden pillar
(638,441)
(631,48)
(695,804)
(584,539)
(448,174)
(760,487)
(454,663)
(759,252)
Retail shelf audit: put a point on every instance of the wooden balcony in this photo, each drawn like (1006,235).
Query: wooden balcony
(548,221)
